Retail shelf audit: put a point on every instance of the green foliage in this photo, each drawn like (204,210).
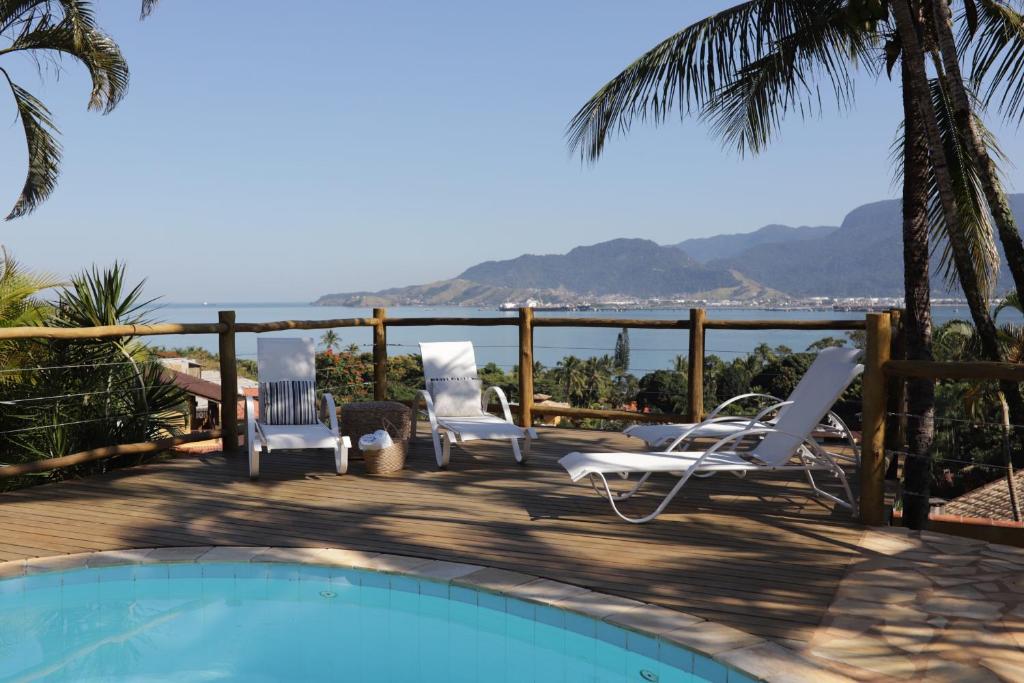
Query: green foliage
(51,31)
(622,350)
(88,394)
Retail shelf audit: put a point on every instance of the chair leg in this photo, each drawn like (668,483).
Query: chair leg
(442,448)
(647,518)
(521,454)
(254,461)
(341,457)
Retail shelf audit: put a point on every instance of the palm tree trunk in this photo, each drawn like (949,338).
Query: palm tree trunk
(1006,225)
(1011,479)
(919,94)
(995,196)
(917,325)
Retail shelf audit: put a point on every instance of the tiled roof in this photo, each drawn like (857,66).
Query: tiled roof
(991,501)
(194,385)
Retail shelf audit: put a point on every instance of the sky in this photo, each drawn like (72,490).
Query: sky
(269,154)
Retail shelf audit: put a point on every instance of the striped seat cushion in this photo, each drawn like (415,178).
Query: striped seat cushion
(288,402)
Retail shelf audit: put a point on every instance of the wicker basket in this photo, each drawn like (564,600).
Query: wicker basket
(362,418)
(390,459)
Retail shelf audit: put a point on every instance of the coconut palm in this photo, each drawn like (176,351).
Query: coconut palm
(330,341)
(746,67)
(47,31)
(570,374)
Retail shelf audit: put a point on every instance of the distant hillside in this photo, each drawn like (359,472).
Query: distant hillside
(863,257)
(445,292)
(706,249)
(630,267)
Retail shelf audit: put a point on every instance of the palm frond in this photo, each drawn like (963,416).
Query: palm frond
(77,36)
(147,8)
(688,68)
(44,151)
(976,228)
(748,111)
(996,48)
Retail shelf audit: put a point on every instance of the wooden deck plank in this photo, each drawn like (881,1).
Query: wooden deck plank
(757,554)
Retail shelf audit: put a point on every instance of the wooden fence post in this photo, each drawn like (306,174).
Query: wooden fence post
(525,367)
(896,439)
(228,382)
(695,378)
(380,355)
(872,456)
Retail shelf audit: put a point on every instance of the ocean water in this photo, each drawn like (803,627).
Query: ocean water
(277,622)
(650,349)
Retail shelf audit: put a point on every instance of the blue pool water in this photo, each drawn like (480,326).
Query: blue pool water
(279,622)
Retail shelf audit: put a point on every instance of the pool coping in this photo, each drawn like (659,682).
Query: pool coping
(749,655)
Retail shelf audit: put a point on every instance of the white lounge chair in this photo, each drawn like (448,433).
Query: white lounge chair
(787,445)
(288,417)
(457,403)
(717,426)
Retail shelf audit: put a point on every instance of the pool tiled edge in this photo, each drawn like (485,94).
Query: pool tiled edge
(714,651)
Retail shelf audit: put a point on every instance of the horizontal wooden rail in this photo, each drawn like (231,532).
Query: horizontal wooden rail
(305,324)
(783,324)
(976,370)
(47,464)
(605,414)
(545,321)
(462,322)
(105,331)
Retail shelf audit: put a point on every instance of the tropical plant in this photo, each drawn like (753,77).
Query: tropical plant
(86,394)
(49,30)
(20,304)
(959,340)
(745,68)
(330,341)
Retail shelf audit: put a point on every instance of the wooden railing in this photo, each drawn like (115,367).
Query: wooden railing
(226,328)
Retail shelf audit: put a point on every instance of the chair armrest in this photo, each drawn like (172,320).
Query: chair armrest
(761,415)
(502,400)
(327,406)
(252,425)
(725,404)
(431,415)
(761,431)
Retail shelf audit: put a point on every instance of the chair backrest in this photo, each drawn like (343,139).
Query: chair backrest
(285,359)
(448,360)
(287,381)
(824,382)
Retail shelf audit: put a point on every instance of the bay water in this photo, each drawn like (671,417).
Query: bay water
(650,349)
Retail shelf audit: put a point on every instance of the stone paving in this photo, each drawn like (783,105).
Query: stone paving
(921,605)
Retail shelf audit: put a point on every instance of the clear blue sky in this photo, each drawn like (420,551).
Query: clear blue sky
(269,152)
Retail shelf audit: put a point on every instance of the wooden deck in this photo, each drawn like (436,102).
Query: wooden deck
(756,554)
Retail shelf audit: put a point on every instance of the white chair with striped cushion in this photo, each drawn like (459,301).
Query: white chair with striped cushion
(457,403)
(288,417)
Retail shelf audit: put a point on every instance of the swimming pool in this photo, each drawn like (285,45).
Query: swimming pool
(271,622)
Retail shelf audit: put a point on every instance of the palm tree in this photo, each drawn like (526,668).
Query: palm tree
(330,341)
(48,30)
(570,375)
(746,67)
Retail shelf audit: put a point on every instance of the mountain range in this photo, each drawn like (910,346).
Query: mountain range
(860,257)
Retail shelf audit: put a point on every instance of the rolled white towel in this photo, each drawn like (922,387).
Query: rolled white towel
(376,441)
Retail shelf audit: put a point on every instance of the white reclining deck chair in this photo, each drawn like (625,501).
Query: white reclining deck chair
(787,445)
(718,426)
(457,403)
(288,417)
